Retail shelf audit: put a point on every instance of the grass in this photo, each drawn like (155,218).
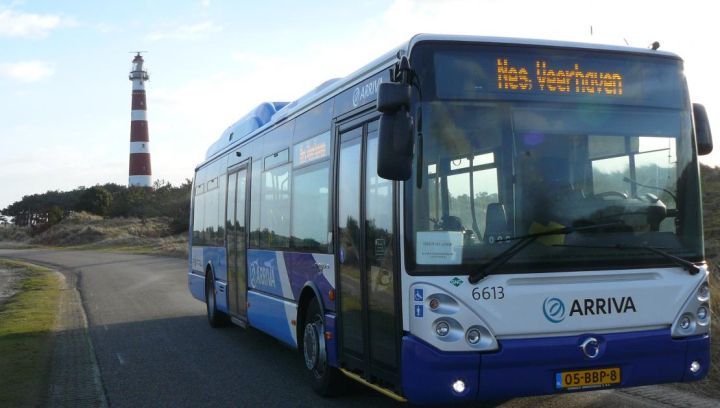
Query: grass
(82,231)
(26,322)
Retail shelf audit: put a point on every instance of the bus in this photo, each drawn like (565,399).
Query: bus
(467,218)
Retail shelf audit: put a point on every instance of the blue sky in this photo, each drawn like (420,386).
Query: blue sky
(66,98)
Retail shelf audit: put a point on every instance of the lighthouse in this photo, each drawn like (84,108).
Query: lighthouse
(140,171)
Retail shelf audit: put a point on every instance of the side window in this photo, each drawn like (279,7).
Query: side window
(310,207)
(275,208)
(199,215)
(212,221)
(311,193)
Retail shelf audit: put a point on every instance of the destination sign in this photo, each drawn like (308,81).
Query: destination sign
(559,79)
(545,74)
(311,150)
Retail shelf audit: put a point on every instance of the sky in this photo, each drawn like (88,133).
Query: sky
(65,93)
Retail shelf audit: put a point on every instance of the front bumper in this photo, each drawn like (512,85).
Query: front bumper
(523,367)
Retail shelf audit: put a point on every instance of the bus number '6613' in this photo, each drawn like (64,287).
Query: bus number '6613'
(488,292)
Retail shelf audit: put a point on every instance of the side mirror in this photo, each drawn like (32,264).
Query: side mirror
(703,135)
(392,97)
(395,142)
(395,145)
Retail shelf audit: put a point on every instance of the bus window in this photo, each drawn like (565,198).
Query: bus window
(212,211)
(310,210)
(275,208)
(198,217)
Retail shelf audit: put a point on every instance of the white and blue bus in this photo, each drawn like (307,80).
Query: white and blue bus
(468,218)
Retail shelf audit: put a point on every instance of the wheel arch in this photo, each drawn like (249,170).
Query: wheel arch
(307,294)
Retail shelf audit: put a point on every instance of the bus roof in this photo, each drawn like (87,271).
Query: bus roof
(267,114)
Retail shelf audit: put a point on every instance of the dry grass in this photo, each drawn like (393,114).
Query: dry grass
(87,231)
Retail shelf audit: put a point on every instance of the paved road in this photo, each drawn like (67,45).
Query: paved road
(154,347)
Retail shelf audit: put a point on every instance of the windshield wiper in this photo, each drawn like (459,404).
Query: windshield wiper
(684,263)
(523,241)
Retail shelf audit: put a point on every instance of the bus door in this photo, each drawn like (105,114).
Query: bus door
(235,245)
(367,259)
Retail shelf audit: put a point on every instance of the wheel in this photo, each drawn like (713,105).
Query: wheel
(327,380)
(215,317)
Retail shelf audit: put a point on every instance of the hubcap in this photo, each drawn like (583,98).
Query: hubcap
(310,341)
(314,347)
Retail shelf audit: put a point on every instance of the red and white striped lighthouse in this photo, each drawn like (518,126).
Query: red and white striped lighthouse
(140,171)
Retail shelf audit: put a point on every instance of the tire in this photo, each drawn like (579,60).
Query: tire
(214,316)
(327,381)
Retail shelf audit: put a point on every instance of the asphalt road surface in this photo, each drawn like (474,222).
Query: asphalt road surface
(155,348)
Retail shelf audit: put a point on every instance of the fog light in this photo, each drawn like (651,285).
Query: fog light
(685,322)
(702,313)
(473,336)
(459,386)
(434,303)
(703,293)
(694,367)
(442,328)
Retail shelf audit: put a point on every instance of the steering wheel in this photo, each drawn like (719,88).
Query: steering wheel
(612,194)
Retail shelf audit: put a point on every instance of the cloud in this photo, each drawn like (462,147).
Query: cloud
(27,71)
(186,32)
(14,24)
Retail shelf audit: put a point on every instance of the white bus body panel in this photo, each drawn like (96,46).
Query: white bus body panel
(605,301)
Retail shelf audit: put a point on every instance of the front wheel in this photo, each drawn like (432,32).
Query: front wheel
(327,380)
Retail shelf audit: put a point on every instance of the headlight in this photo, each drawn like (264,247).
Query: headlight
(442,328)
(694,317)
(703,314)
(473,336)
(703,293)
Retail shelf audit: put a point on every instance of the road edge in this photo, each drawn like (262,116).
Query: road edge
(75,378)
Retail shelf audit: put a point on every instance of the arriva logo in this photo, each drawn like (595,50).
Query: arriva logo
(554,310)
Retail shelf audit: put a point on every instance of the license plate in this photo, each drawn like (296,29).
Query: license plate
(603,377)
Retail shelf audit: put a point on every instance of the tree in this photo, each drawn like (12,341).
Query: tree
(96,200)
(55,215)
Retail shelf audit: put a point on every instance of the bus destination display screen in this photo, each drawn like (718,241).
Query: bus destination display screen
(556,74)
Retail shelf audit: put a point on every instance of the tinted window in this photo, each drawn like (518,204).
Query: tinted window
(349,240)
(379,258)
(276,159)
(310,207)
(198,221)
(212,220)
(255,189)
(275,208)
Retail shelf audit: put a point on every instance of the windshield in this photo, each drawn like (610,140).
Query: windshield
(495,166)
